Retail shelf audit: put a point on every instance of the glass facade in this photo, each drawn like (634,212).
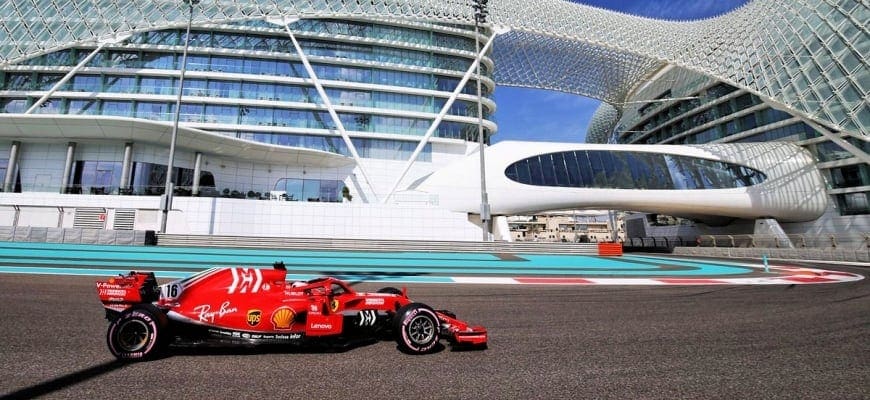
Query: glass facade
(853,203)
(366,148)
(254,65)
(630,170)
(718,112)
(17,183)
(676,123)
(104,177)
(312,190)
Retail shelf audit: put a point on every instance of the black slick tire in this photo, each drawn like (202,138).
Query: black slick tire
(138,333)
(417,329)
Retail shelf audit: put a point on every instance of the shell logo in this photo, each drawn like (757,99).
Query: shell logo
(282,318)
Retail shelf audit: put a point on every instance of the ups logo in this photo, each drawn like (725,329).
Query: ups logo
(254,317)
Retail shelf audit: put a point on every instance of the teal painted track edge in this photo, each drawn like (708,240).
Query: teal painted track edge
(185,274)
(46,255)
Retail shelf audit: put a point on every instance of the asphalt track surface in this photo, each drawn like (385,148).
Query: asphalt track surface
(546,342)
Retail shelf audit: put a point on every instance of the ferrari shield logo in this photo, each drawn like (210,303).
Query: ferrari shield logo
(333,305)
(254,317)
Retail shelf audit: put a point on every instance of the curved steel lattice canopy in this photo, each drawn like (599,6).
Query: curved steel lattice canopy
(809,56)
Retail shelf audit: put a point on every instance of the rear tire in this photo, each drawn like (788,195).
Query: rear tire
(417,328)
(138,333)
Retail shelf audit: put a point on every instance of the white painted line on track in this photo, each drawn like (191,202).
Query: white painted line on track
(493,280)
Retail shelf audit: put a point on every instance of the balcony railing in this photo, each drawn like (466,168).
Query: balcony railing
(852,241)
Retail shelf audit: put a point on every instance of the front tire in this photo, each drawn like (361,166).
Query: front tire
(417,328)
(138,333)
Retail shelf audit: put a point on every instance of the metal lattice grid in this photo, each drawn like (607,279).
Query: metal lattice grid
(810,56)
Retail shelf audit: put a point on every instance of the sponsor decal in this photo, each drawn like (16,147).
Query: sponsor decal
(374,301)
(282,318)
(245,280)
(108,289)
(333,305)
(171,291)
(250,336)
(292,336)
(253,336)
(368,317)
(116,307)
(253,317)
(204,313)
(321,326)
(113,292)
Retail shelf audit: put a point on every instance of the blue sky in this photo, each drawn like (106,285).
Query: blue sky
(532,114)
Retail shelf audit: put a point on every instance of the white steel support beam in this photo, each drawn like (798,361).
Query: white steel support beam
(65,78)
(73,71)
(197,171)
(126,167)
(443,112)
(12,167)
(855,151)
(326,102)
(67,167)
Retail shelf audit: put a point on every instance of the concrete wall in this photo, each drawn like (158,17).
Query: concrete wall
(70,235)
(241,217)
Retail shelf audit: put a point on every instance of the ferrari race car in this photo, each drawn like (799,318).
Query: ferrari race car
(250,306)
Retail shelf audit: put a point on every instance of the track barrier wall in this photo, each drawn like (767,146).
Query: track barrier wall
(609,249)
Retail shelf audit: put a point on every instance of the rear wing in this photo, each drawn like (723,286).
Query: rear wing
(121,292)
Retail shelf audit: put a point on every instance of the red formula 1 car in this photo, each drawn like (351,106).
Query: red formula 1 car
(250,306)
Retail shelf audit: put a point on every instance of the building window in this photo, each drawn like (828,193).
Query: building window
(83,107)
(850,176)
(86,83)
(4,162)
(150,179)
(310,190)
(853,203)
(830,151)
(630,170)
(18,82)
(95,177)
(120,84)
(118,108)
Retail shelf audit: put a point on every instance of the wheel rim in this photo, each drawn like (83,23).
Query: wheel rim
(421,329)
(132,335)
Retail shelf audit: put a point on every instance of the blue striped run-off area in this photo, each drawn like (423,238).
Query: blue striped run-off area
(178,262)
